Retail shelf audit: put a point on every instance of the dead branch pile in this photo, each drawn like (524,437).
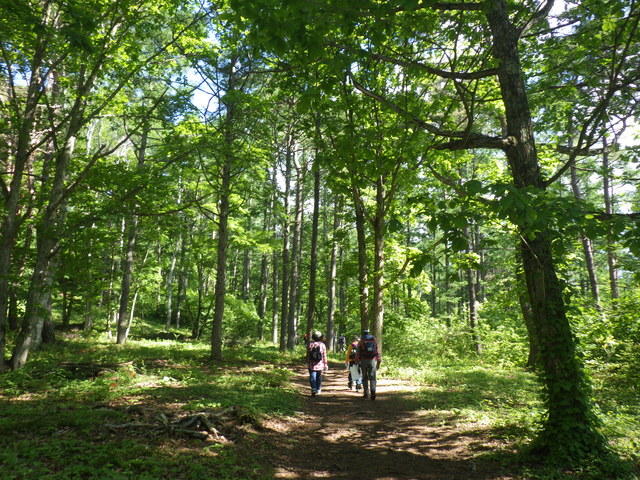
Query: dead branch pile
(222,427)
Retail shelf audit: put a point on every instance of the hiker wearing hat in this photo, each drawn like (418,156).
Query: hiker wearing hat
(352,364)
(369,359)
(316,362)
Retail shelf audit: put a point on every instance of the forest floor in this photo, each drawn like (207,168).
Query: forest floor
(339,434)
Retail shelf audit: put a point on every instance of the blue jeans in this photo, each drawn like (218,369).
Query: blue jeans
(315,379)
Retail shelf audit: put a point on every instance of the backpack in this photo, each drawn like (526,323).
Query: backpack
(354,351)
(369,348)
(315,355)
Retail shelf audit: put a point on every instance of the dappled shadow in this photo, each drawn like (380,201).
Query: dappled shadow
(342,435)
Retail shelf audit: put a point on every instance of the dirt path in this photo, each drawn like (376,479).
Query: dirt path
(341,435)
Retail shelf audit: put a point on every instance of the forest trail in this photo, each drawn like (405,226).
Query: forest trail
(338,434)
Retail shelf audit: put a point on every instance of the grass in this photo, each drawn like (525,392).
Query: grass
(507,404)
(52,418)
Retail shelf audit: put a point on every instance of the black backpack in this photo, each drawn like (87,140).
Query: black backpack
(315,355)
(354,351)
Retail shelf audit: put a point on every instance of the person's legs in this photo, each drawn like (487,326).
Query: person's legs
(319,381)
(354,376)
(372,379)
(365,365)
(315,379)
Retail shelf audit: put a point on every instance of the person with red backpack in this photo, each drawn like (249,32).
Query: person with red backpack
(316,362)
(369,359)
(352,364)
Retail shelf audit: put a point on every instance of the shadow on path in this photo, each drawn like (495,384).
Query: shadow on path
(341,435)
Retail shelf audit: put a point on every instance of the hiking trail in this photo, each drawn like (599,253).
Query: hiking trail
(338,434)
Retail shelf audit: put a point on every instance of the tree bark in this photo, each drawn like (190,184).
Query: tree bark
(608,205)
(471,294)
(295,261)
(363,270)
(221,262)
(566,387)
(378,263)
(587,246)
(313,265)
(284,298)
(332,273)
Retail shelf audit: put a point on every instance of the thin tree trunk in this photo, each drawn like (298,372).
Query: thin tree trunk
(295,262)
(471,294)
(378,263)
(127,278)
(587,246)
(170,274)
(274,300)
(608,205)
(332,273)
(284,299)
(363,274)
(313,265)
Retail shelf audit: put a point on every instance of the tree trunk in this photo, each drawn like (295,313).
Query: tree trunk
(332,272)
(122,323)
(471,294)
(313,265)
(274,300)
(363,275)
(170,274)
(587,246)
(38,304)
(284,298)
(295,263)
(608,205)
(221,263)
(569,429)
(127,266)
(378,263)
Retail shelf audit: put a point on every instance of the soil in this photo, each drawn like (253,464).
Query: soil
(339,434)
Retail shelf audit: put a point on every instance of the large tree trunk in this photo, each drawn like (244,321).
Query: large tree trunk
(221,264)
(570,426)
(38,305)
(12,197)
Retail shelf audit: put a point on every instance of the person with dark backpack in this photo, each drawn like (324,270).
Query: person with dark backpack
(316,362)
(352,364)
(369,359)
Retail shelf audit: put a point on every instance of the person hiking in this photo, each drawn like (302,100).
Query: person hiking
(352,364)
(369,359)
(342,342)
(316,362)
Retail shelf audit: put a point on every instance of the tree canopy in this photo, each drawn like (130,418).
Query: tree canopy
(461,173)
